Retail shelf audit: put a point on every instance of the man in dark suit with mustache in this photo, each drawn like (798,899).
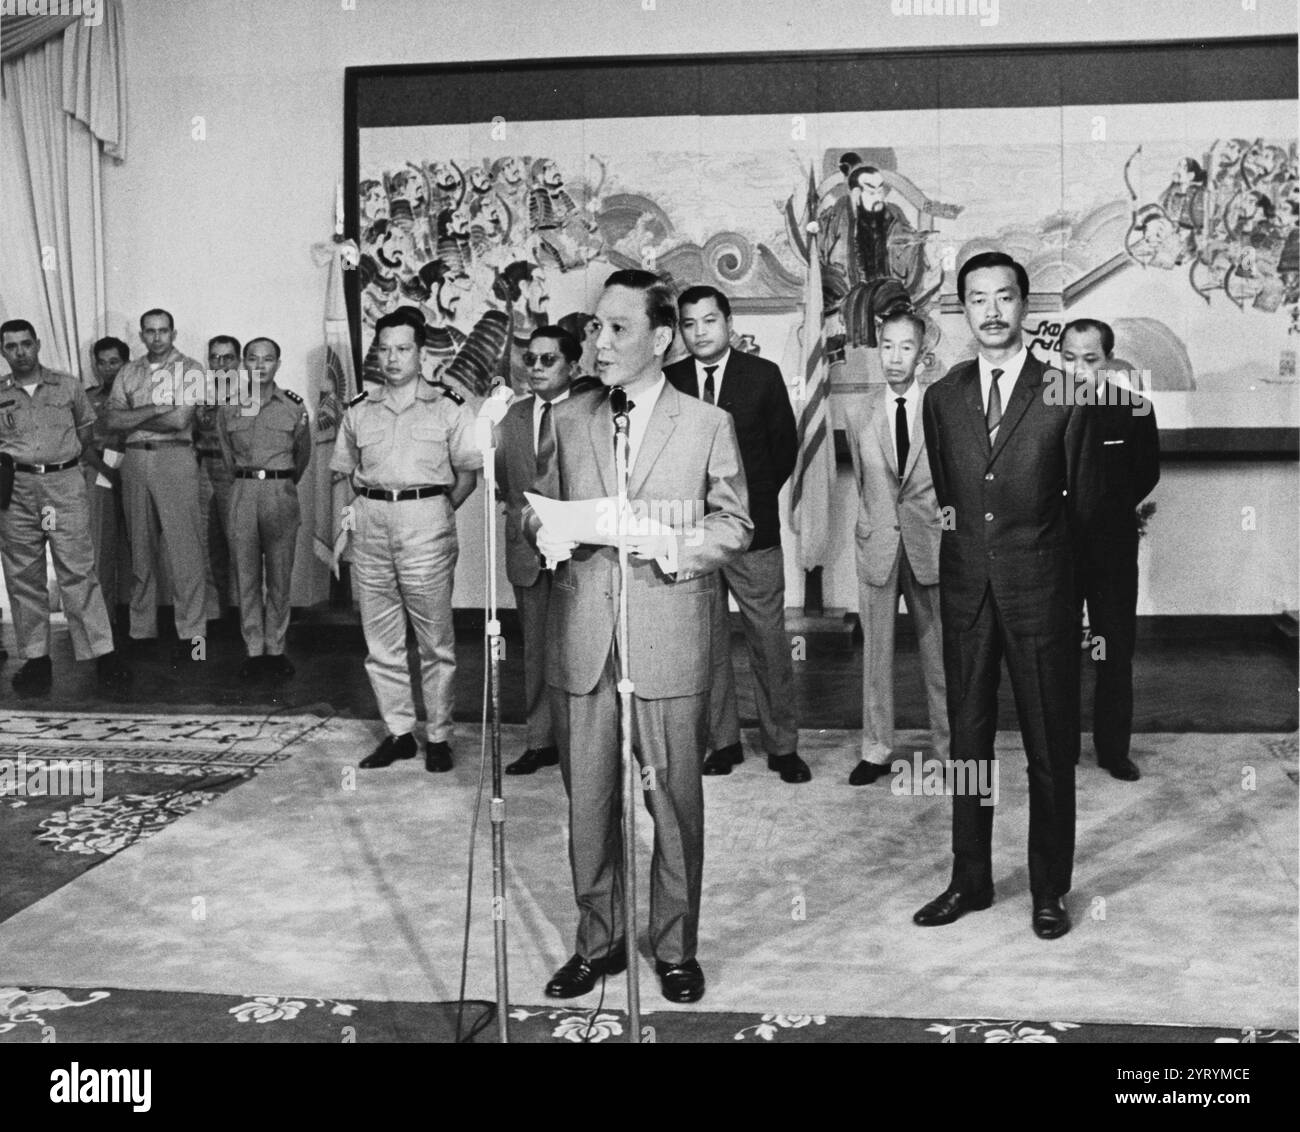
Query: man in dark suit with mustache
(1015,475)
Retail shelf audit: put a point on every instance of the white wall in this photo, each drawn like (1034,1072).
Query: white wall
(220,230)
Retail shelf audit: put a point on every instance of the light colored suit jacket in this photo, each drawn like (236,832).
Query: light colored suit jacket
(890,510)
(689,474)
(516,464)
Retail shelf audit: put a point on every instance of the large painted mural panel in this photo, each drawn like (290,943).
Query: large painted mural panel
(1177,223)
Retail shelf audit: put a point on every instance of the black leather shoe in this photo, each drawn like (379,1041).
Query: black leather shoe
(579,975)
(533,759)
(35,677)
(389,751)
(1051,920)
(683,982)
(111,671)
(865,773)
(437,757)
(952,905)
(723,759)
(790,767)
(1122,768)
(252,668)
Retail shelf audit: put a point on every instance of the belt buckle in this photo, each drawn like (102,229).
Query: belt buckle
(261,474)
(394,494)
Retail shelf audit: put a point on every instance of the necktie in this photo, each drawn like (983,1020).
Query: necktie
(901,440)
(993,417)
(545,441)
(709,371)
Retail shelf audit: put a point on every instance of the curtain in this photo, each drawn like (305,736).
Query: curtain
(62,109)
(19,34)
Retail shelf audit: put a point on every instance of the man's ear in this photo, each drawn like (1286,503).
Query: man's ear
(663,340)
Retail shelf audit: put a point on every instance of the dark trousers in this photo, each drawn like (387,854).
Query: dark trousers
(668,739)
(1109,585)
(1044,669)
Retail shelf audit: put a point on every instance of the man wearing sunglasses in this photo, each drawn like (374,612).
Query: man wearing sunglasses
(526,435)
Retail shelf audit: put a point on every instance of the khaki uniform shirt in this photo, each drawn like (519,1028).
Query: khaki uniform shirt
(277,438)
(427,442)
(41,428)
(140,384)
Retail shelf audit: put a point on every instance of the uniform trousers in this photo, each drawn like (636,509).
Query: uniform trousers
(112,546)
(264,520)
(52,508)
(532,603)
(216,485)
(878,612)
(1108,582)
(160,489)
(757,579)
(668,738)
(403,562)
(1044,670)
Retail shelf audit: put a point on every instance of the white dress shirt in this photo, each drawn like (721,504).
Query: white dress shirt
(1006,383)
(537,416)
(721,363)
(911,406)
(643,405)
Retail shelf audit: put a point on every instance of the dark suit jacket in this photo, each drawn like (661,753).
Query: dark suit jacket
(688,459)
(1130,468)
(754,393)
(516,464)
(1012,514)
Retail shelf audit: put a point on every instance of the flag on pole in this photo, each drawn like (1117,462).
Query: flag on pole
(814,471)
(336,385)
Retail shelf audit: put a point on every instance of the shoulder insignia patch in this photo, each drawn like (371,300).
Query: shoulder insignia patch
(448,392)
(292,396)
(358,398)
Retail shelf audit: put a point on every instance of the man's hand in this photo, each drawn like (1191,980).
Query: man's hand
(554,550)
(650,546)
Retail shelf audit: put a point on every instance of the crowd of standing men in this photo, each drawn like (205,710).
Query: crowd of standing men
(995,509)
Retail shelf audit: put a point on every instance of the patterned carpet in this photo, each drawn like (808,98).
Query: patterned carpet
(166,771)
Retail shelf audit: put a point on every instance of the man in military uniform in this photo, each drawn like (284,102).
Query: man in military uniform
(215,484)
(45,419)
(104,486)
(160,481)
(410,452)
(265,453)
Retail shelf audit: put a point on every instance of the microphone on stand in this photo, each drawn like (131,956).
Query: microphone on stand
(490,414)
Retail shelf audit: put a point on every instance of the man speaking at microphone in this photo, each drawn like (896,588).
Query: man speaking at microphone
(685,470)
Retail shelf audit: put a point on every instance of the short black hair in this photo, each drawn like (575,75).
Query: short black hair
(576,323)
(404,316)
(17,326)
(239,350)
(569,346)
(171,322)
(659,303)
(698,294)
(857,174)
(902,314)
(992,259)
(123,350)
(1103,329)
(262,338)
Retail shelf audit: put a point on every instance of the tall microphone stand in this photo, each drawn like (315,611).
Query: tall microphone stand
(497,805)
(618,400)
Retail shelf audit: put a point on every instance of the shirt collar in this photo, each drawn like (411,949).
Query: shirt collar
(538,402)
(1010,368)
(721,363)
(645,402)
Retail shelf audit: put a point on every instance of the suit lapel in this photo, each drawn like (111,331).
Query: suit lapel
(975,406)
(1026,388)
(917,437)
(600,431)
(663,419)
(885,436)
(730,380)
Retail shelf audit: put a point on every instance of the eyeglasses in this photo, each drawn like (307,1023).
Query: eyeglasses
(547,360)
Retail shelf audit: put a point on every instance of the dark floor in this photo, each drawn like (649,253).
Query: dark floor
(1203,674)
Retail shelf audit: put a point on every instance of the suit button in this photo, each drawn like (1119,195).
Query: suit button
(988,516)
(993,554)
(895,526)
(989,476)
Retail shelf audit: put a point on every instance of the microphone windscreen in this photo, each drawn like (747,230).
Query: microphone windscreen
(495,405)
(618,399)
